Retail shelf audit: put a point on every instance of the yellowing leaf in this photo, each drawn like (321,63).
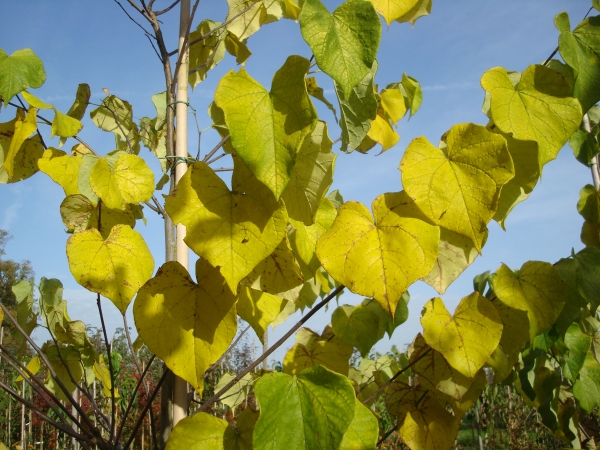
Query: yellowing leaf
(311,350)
(393,9)
(24,127)
(63,169)
(26,158)
(311,177)
(536,288)
(129,180)
(198,432)
(250,14)
(363,430)
(457,186)
(539,108)
(234,230)
(421,8)
(317,92)
(277,273)
(35,102)
(207,53)
(456,253)
(515,333)
(237,393)
(435,373)
(187,325)
(259,309)
(379,258)
(429,426)
(382,133)
(392,102)
(115,268)
(268,128)
(467,339)
(344,43)
(64,125)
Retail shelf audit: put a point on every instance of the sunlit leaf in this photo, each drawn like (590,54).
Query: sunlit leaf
(250,14)
(421,8)
(587,388)
(19,71)
(207,53)
(363,430)
(259,309)
(200,318)
(63,169)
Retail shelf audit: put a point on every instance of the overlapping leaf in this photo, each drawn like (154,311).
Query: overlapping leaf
(115,267)
(19,71)
(245,17)
(234,230)
(62,168)
(429,426)
(259,309)
(207,53)
(457,186)
(538,108)
(25,161)
(187,325)
(344,43)
(319,407)
(379,258)
(363,430)
(466,339)
(268,128)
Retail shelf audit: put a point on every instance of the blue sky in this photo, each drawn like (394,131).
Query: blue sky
(448,51)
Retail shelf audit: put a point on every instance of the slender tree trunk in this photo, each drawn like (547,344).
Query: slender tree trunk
(23,417)
(74,443)
(478,420)
(180,388)
(265,364)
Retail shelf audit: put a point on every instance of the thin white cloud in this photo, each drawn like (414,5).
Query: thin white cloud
(451,86)
(10,215)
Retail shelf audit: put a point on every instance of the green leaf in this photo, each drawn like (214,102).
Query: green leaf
(466,339)
(234,230)
(456,253)
(268,128)
(311,177)
(578,344)
(539,108)
(20,71)
(344,43)
(319,407)
(581,50)
(26,316)
(73,370)
(527,172)
(83,182)
(317,92)
(116,116)
(207,53)
(584,146)
(379,257)
(457,186)
(259,309)
(237,48)
(311,350)
(128,180)
(237,393)
(358,110)
(588,274)
(120,265)
(64,125)
(250,14)
(587,388)
(363,431)
(536,288)
(200,318)
(413,93)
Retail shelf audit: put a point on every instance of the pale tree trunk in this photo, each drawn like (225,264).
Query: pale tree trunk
(23,417)
(180,388)
(265,364)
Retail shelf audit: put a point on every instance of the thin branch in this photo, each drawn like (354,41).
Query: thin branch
(152,207)
(159,206)
(138,9)
(125,135)
(400,372)
(133,395)
(145,410)
(166,10)
(132,19)
(70,431)
(36,129)
(545,63)
(108,345)
(386,435)
(224,24)
(222,155)
(154,48)
(217,147)
(271,349)
(224,169)
(233,344)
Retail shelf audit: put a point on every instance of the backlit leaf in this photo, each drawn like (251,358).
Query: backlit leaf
(421,8)
(578,344)
(311,177)
(64,125)
(319,407)
(317,92)
(66,362)
(259,309)
(25,162)
(581,50)
(20,71)
(358,109)
(539,108)
(429,426)
(250,14)
(63,169)
(24,127)
(237,393)
(115,268)
(207,53)
(201,431)
(200,318)
(457,186)
(344,43)
(268,128)
(379,257)
(363,430)
(587,388)
(129,180)
(456,253)
(393,9)
(235,230)
(466,339)
(311,349)
(536,288)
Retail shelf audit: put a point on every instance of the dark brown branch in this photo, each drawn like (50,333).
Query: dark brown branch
(400,372)
(132,19)
(113,414)
(386,435)
(163,11)
(271,349)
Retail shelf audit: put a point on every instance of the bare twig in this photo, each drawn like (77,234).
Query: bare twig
(224,169)
(133,20)
(386,435)
(271,349)
(216,158)
(217,147)
(166,10)
(108,345)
